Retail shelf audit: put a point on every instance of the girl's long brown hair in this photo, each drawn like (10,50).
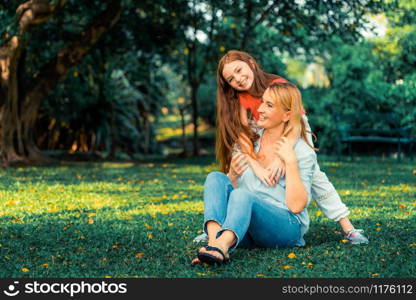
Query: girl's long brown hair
(230,129)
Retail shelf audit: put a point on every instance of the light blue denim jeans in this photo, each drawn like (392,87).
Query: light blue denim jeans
(256,222)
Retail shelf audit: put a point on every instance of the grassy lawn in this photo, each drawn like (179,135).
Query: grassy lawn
(138,220)
(169,127)
(169,134)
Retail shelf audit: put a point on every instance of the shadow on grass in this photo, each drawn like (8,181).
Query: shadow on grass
(108,172)
(123,239)
(158,245)
(143,245)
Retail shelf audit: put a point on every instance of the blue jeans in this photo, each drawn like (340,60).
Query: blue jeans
(255,222)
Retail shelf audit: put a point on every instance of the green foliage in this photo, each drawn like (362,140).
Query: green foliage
(373,76)
(186,36)
(8,24)
(207,96)
(356,85)
(264,29)
(112,102)
(138,220)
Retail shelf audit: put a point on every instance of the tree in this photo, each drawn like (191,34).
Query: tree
(188,35)
(19,107)
(375,75)
(263,28)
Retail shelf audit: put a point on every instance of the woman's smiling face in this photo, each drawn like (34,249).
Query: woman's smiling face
(271,114)
(238,75)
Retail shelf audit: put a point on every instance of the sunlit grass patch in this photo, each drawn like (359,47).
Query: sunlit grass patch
(171,128)
(139,219)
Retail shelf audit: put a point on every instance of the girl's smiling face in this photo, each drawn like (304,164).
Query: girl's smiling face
(238,75)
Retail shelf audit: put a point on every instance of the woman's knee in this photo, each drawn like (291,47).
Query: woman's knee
(215,178)
(242,196)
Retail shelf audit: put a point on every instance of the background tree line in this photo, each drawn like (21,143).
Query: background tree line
(93,76)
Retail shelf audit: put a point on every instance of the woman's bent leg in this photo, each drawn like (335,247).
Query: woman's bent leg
(274,227)
(268,226)
(217,189)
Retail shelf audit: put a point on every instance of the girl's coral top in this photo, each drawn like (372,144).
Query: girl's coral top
(251,103)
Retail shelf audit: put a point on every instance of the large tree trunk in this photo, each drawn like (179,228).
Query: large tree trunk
(10,126)
(195,115)
(31,13)
(54,71)
(195,78)
(183,139)
(18,118)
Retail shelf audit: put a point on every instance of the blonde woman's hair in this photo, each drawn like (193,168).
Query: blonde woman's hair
(288,96)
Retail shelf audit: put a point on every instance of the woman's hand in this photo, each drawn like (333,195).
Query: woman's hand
(238,164)
(277,170)
(284,149)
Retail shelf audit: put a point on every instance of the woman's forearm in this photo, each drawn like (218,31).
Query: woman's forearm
(296,195)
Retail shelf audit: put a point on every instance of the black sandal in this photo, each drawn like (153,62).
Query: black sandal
(210,259)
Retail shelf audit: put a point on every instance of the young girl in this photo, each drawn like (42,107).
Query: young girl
(240,86)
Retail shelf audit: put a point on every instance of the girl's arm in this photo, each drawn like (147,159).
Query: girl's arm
(259,171)
(277,169)
(262,173)
(233,178)
(237,167)
(243,116)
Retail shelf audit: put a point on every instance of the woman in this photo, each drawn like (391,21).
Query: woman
(241,210)
(240,85)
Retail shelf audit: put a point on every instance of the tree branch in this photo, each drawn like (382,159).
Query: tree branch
(263,16)
(209,46)
(36,12)
(54,71)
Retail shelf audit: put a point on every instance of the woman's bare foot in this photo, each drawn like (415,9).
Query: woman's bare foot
(196,261)
(216,252)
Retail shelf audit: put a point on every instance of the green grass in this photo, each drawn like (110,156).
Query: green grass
(138,220)
(169,128)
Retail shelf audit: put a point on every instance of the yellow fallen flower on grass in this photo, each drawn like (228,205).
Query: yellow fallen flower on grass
(286,267)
